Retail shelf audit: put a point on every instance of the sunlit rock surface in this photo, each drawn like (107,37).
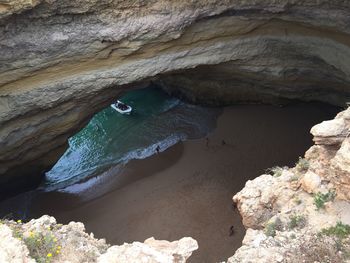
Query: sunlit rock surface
(12,249)
(330,156)
(62,61)
(44,240)
(9,7)
(151,251)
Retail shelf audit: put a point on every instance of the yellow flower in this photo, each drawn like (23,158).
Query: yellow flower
(59,247)
(19,221)
(57,251)
(49,255)
(31,233)
(55,240)
(48,228)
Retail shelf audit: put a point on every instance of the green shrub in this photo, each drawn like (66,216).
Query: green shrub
(320,199)
(339,234)
(270,229)
(272,226)
(42,246)
(340,230)
(275,171)
(296,221)
(302,165)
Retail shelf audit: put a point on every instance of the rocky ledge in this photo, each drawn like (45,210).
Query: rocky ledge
(43,240)
(61,61)
(301,214)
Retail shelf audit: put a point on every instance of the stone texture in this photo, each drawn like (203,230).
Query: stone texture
(151,251)
(330,132)
(74,245)
(311,182)
(9,7)
(62,61)
(330,157)
(12,249)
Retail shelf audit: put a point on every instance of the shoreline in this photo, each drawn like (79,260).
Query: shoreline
(187,190)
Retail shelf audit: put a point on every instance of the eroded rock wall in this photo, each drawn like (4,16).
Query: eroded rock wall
(62,61)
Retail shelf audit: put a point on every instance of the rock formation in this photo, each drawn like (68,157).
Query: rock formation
(62,61)
(301,214)
(43,240)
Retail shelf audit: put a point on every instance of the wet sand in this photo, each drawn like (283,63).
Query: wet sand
(186,190)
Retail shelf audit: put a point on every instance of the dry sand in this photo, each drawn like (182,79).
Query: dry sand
(187,190)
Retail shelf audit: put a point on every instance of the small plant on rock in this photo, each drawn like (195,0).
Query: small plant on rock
(272,226)
(320,199)
(302,165)
(339,233)
(296,221)
(270,229)
(42,246)
(340,230)
(275,171)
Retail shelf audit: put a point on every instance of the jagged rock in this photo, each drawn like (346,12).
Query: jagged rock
(257,247)
(62,61)
(151,251)
(311,182)
(340,170)
(12,250)
(330,132)
(330,159)
(262,198)
(287,247)
(71,244)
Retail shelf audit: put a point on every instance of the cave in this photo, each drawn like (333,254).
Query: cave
(247,79)
(207,152)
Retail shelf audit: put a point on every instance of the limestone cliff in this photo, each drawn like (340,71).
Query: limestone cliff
(62,61)
(301,214)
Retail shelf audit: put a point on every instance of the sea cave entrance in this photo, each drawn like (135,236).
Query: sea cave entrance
(112,179)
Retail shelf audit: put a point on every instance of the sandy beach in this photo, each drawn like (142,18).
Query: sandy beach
(187,190)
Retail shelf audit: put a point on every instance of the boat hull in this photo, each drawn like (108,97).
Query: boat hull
(126,111)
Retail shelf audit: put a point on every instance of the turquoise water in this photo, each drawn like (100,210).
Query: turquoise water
(112,138)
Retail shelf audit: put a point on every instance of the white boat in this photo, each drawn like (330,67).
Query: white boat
(121,107)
